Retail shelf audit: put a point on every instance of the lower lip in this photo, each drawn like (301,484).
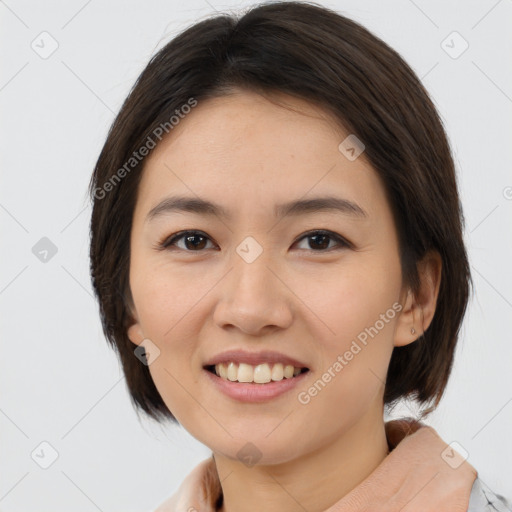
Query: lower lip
(252,392)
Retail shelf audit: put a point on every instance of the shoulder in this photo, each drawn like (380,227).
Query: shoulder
(483,499)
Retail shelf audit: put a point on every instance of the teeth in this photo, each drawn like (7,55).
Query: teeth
(277,372)
(232,371)
(260,374)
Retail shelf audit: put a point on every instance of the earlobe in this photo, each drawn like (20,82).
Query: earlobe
(407,325)
(135,334)
(419,308)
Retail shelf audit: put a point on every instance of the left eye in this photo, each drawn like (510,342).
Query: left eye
(319,240)
(195,241)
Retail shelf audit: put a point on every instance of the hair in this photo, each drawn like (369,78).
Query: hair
(312,53)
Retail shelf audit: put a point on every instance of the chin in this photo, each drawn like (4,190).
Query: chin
(257,450)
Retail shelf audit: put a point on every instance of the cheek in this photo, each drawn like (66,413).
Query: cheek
(354,299)
(165,301)
(169,313)
(356,329)
(350,380)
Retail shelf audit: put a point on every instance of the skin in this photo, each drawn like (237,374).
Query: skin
(410,479)
(248,154)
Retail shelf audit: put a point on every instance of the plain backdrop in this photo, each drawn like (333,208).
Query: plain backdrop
(61,384)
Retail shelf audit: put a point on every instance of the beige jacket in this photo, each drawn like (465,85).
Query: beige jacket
(201,490)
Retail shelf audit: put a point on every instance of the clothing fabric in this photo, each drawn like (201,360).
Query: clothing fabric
(482,499)
(201,491)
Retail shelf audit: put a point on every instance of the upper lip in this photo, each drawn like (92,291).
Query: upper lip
(254,358)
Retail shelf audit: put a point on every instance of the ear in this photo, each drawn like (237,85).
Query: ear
(418,310)
(135,333)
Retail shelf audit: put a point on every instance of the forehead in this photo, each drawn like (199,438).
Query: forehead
(245,146)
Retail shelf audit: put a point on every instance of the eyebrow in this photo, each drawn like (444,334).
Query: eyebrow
(177,204)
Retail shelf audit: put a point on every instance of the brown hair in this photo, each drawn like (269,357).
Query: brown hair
(313,53)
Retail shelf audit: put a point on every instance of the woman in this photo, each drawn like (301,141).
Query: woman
(276,226)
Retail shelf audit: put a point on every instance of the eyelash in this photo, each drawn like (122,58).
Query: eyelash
(171,240)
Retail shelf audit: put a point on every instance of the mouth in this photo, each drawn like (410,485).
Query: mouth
(258,384)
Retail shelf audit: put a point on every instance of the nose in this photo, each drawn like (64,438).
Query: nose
(254,297)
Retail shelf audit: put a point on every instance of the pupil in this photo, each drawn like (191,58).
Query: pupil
(189,238)
(325,238)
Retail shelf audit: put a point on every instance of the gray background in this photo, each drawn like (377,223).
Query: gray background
(61,384)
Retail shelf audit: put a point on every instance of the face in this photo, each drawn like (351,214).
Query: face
(262,278)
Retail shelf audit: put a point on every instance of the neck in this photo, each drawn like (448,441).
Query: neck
(314,481)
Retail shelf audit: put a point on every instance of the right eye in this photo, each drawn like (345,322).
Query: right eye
(194,241)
